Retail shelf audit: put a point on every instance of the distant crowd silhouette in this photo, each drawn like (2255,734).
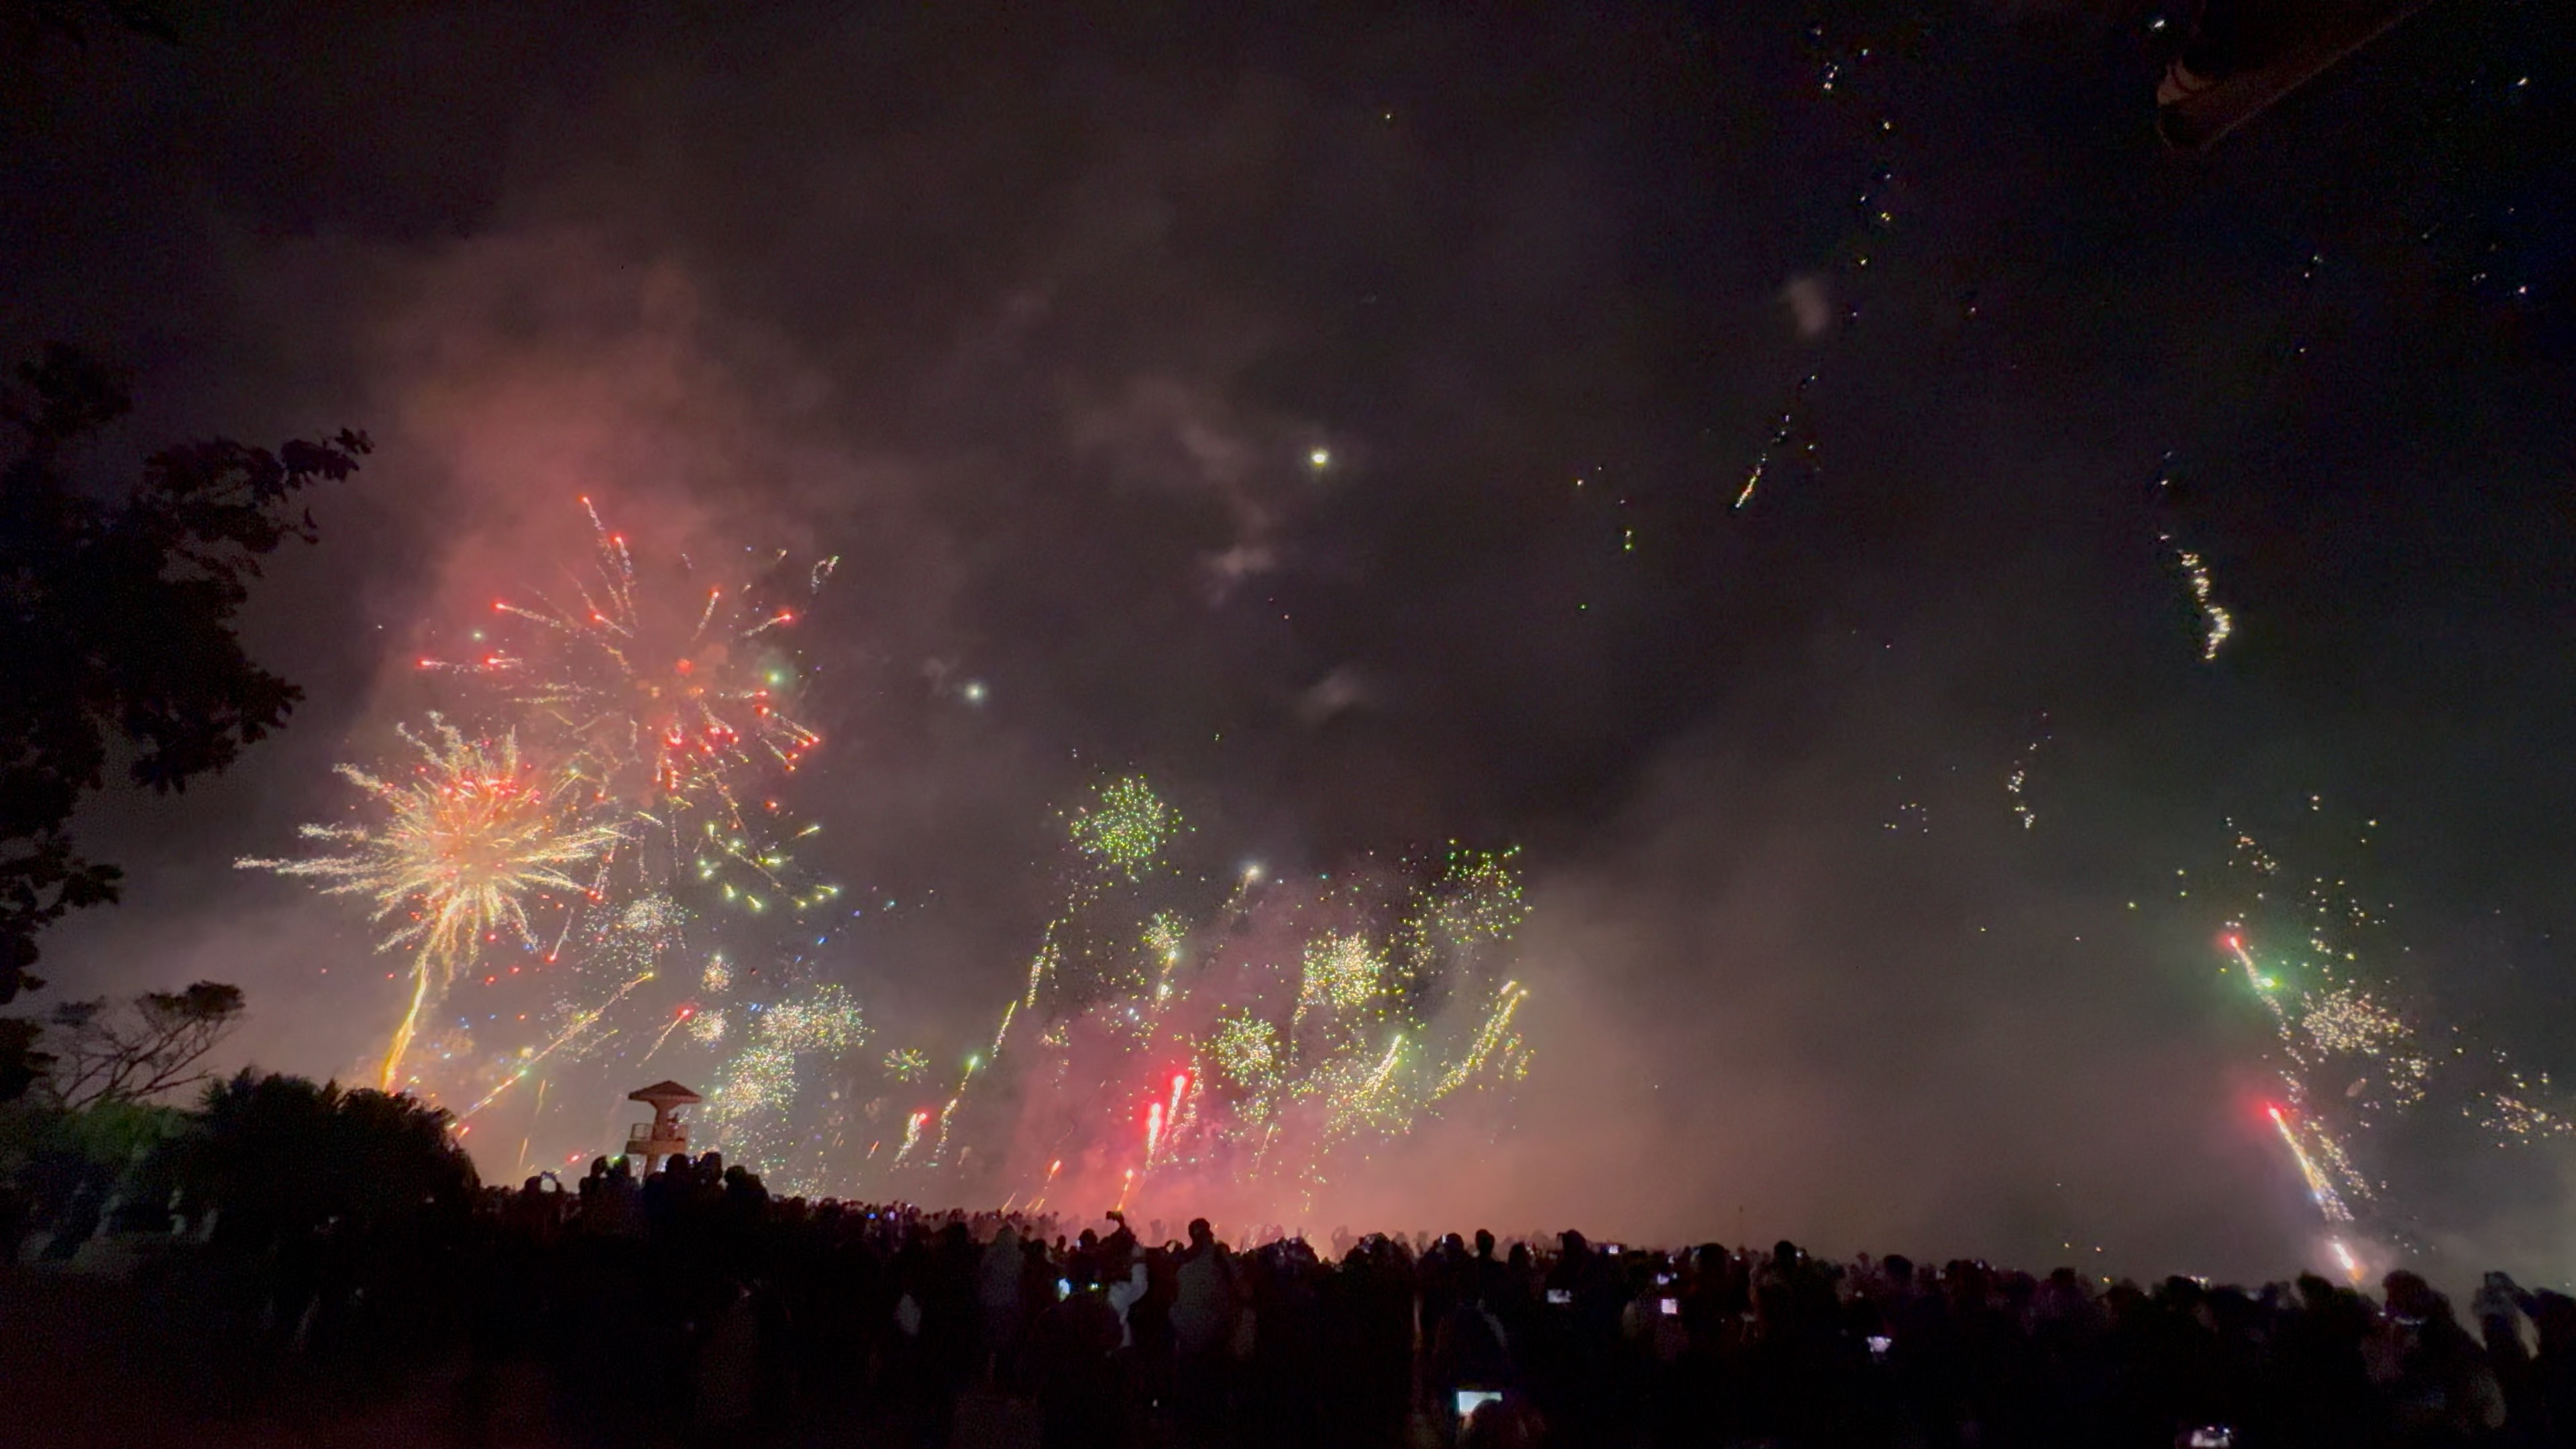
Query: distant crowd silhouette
(689,1305)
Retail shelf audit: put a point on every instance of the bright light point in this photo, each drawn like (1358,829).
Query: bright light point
(973,692)
(1319,458)
(1252,872)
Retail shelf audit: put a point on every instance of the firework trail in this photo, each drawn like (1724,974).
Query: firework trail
(1814,300)
(1789,427)
(911,1135)
(578,1023)
(1495,1036)
(2320,1187)
(460,848)
(680,1017)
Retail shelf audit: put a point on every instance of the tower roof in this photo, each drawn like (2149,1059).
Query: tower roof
(663,1093)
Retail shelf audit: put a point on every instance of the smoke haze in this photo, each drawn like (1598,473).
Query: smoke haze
(1337,421)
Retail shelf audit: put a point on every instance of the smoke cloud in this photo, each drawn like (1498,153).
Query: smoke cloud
(1211,402)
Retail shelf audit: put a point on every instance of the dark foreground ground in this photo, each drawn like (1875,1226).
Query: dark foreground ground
(94,1362)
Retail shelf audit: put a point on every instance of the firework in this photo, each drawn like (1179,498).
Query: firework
(633,938)
(670,700)
(1476,901)
(1259,1036)
(1128,829)
(2513,1115)
(1165,935)
(1247,1050)
(2320,1152)
(460,848)
(2349,1038)
(756,1091)
(1119,839)
(668,693)
(2339,1039)
(907,1064)
(2217,625)
(1342,974)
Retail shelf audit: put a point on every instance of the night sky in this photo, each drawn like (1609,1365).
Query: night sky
(1039,319)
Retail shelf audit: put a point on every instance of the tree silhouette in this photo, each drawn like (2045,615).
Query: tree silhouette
(21,1065)
(137,1051)
(280,1157)
(117,626)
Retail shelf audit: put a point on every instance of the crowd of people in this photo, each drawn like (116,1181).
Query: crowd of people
(688,1304)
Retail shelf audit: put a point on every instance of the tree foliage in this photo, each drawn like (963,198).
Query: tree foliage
(138,1050)
(72,20)
(21,1065)
(281,1156)
(117,625)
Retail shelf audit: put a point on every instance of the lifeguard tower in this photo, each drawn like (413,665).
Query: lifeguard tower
(666,1135)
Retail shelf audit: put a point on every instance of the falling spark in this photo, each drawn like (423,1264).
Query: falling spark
(2016,783)
(2217,624)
